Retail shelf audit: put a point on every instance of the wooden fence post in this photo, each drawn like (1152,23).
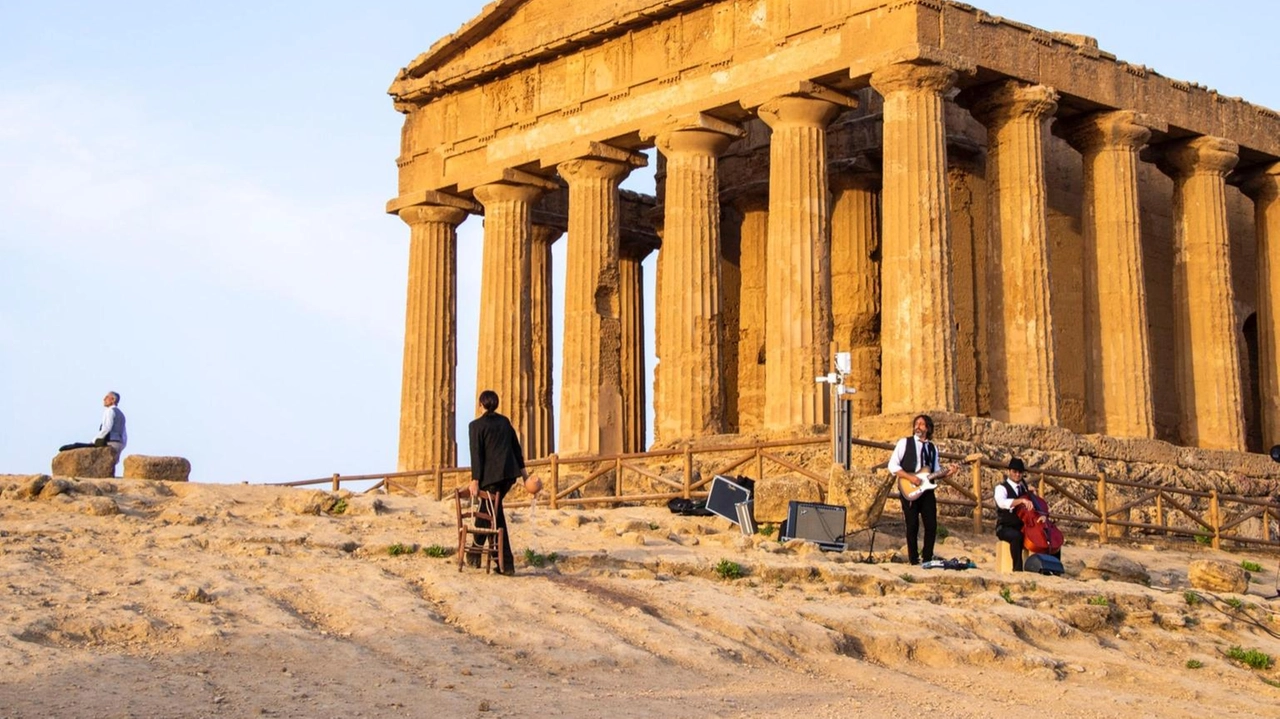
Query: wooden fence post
(438,476)
(1103,530)
(977,497)
(337,483)
(759,463)
(617,476)
(1215,518)
(688,471)
(1160,513)
(555,480)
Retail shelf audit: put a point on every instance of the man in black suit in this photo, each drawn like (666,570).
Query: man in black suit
(496,462)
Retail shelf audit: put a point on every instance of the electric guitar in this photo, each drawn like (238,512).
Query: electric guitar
(911,491)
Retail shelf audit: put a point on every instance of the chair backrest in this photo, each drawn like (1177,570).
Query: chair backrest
(467,511)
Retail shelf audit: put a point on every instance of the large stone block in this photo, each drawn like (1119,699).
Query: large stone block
(861,492)
(775,494)
(86,462)
(1213,575)
(169,469)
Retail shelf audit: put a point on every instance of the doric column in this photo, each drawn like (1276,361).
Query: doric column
(753,234)
(1117,345)
(1206,353)
(798,300)
(504,358)
(917,322)
(855,282)
(1023,375)
(542,442)
(689,396)
(428,383)
(631,314)
(1264,188)
(591,405)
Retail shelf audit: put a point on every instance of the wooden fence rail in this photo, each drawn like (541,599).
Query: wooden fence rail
(1208,516)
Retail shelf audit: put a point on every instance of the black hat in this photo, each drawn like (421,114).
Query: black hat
(1016,465)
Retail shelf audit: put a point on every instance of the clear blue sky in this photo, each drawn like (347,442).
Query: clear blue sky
(191,213)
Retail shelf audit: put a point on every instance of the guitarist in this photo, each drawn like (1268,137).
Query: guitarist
(914,455)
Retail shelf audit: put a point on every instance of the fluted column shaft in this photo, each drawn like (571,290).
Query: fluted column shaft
(591,379)
(542,442)
(1264,188)
(798,296)
(1023,372)
(1117,344)
(855,283)
(428,380)
(753,242)
(917,324)
(1206,351)
(631,316)
(689,396)
(504,358)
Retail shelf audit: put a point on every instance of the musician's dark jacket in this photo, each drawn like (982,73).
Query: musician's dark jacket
(496,457)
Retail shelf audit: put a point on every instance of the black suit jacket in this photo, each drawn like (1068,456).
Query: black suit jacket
(495,450)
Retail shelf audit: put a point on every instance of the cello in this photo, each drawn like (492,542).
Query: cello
(1039,534)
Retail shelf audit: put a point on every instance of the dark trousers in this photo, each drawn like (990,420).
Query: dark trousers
(500,517)
(923,507)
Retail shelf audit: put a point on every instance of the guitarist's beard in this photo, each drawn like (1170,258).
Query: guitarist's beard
(922,435)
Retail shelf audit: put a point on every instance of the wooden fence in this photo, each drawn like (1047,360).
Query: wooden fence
(1208,516)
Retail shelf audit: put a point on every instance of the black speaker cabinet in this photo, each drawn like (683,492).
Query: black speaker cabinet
(724,497)
(822,524)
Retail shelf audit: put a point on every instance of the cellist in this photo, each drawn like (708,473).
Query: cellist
(1009,495)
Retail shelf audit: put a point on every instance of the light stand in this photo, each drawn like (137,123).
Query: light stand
(841,411)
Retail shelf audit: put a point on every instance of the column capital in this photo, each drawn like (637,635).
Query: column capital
(593,168)
(545,234)
(797,110)
(1102,130)
(506,192)
(913,77)
(1000,102)
(693,141)
(1262,185)
(423,214)
(1204,155)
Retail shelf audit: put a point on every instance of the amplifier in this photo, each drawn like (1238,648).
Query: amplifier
(822,524)
(724,497)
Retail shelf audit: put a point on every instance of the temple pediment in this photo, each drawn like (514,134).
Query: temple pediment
(508,33)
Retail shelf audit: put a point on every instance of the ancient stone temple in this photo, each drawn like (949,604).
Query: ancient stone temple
(992,219)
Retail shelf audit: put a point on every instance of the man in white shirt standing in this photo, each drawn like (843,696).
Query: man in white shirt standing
(913,456)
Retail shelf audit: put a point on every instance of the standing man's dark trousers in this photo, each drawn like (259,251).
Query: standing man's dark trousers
(500,514)
(923,507)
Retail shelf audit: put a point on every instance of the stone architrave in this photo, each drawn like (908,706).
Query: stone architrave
(689,383)
(1023,373)
(1264,188)
(428,381)
(798,296)
(1118,390)
(504,357)
(918,340)
(855,282)
(542,442)
(591,404)
(753,234)
(631,314)
(1206,351)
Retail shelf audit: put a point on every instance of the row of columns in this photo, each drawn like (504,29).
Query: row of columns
(602,399)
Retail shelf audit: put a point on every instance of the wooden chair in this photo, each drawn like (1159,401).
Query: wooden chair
(467,511)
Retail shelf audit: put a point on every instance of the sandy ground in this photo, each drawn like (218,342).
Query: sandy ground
(127,598)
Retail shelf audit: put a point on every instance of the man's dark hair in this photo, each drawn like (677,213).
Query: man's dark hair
(489,400)
(928,425)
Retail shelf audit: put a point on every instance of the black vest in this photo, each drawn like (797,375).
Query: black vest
(910,463)
(1006,517)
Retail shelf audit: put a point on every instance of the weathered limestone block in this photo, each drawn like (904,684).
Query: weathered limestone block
(86,462)
(1086,617)
(171,469)
(1128,450)
(99,507)
(774,495)
(1117,568)
(1213,575)
(861,492)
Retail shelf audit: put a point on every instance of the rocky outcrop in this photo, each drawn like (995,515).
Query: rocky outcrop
(1116,568)
(1212,575)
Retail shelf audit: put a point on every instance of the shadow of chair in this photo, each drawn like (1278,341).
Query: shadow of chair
(476,541)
